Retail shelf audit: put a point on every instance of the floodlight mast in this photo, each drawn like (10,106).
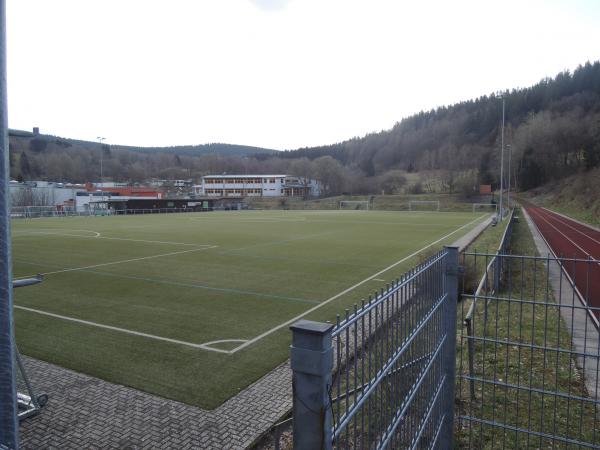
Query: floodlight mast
(509,148)
(100,139)
(501,215)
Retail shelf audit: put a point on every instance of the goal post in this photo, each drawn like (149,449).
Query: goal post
(354,205)
(424,205)
(485,207)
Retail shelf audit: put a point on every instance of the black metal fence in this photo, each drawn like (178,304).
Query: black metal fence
(383,376)
(528,358)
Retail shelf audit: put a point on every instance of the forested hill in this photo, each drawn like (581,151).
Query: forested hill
(63,159)
(553,128)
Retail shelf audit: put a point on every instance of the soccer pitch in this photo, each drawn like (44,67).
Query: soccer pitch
(195,307)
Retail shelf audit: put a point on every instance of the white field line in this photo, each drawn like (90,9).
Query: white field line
(378,279)
(351,288)
(135,333)
(126,261)
(206,345)
(58,233)
(571,227)
(355,222)
(98,235)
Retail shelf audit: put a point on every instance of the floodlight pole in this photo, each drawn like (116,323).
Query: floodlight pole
(509,147)
(100,139)
(9,431)
(502,166)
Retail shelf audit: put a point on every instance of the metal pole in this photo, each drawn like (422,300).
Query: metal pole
(9,436)
(100,139)
(449,356)
(509,158)
(502,165)
(312,363)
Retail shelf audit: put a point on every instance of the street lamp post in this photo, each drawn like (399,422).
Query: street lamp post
(100,139)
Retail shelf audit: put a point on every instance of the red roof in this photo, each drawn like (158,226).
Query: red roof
(130,191)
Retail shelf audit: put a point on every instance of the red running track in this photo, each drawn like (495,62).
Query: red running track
(570,239)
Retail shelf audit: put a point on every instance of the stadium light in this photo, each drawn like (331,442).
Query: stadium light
(509,148)
(100,139)
(501,215)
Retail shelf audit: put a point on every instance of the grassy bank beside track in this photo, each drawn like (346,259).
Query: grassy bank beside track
(526,325)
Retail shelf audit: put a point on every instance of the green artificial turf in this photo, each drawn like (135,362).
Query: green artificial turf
(199,278)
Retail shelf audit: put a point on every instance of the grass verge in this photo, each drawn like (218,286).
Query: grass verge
(525,377)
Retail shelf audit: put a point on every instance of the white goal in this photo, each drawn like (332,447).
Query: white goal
(424,205)
(485,207)
(355,205)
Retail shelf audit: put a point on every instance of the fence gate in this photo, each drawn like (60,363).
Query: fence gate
(383,376)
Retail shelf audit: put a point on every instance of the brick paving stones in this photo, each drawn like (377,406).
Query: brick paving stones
(88,413)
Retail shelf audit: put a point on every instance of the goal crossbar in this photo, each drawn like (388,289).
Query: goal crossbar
(412,203)
(484,205)
(365,203)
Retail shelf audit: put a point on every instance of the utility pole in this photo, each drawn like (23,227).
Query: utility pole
(502,165)
(100,139)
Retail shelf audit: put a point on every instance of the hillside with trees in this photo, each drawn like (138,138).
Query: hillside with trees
(553,129)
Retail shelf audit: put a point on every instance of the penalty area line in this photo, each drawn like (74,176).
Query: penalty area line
(351,288)
(123,261)
(135,333)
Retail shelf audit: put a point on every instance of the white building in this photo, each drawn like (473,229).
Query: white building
(257,186)
(44,193)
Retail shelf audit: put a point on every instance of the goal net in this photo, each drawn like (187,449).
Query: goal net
(424,205)
(485,207)
(354,205)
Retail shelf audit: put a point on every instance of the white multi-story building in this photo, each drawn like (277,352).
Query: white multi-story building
(257,186)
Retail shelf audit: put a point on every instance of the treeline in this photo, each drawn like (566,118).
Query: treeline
(553,129)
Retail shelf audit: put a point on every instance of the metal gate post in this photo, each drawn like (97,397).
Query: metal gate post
(8,391)
(312,364)
(449,357)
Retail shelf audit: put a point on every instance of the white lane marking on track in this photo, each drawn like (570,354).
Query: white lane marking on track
(573,228)
(351,288)
(567,238)
(125,261)
(125,330)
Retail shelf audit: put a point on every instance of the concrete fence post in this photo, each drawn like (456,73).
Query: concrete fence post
(449,356)
(312,365)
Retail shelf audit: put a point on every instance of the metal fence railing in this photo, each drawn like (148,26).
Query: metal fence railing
(492,269)
(528,359)
(383,376)
(30,212)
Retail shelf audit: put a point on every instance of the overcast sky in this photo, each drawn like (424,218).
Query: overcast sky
(274,73)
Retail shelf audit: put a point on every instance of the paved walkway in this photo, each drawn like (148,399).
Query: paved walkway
(88,413)
(466,240)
